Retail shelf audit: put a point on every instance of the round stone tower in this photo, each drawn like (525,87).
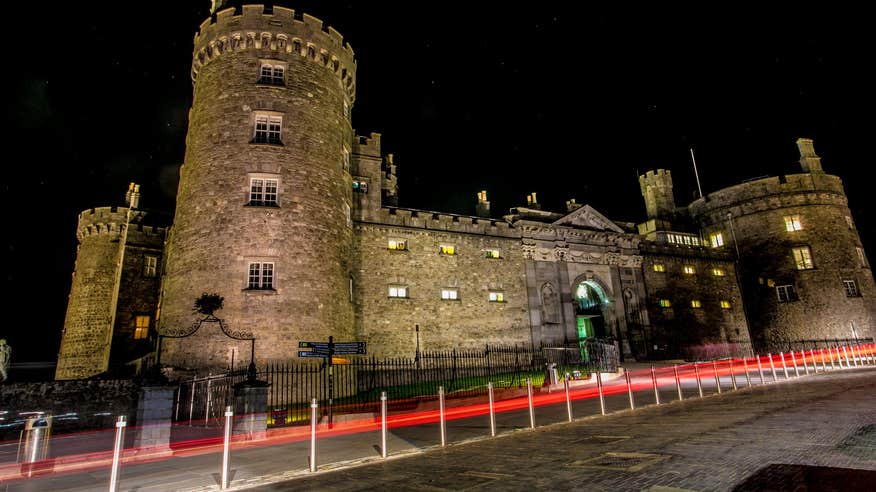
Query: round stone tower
(263,206)
(803,269)
(88,325)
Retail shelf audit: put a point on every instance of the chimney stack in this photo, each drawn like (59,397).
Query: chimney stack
(572,205)
(132,197)
(483,207)
(809,160)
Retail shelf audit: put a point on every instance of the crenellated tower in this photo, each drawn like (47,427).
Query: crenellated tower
(111,307)
(263,213)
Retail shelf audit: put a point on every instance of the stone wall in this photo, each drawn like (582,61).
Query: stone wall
(76,405)
(681,324)
(471,321)
(821,308)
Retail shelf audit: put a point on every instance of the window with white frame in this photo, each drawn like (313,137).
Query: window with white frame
(267,128)
(450,294)
(718,272)
(861,257)
(716,239)
(724,304)
(496,296)
(261,276)
(849,222)
(851,288)
(696,303)
(786,293)
(150,266)
(492,253)
(399,291)
(141,326)
(263,192)
(689,269)
(272,74)
(802,258)
(792,223)
(659,267)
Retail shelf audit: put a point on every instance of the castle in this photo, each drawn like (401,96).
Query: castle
(294,220)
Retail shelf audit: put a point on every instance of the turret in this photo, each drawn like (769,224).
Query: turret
(264,207)
(482,209)
(657,190)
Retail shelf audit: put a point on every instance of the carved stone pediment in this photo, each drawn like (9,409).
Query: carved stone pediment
(587,217)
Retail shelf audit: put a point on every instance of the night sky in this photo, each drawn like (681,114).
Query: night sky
(566,99)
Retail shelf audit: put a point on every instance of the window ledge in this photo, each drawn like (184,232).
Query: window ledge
(260,291)
(267,144)
(262,204)
(452,300)
(397,297)
(262,83)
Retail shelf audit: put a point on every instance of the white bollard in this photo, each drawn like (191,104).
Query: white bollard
(773,367)
(794,361)
(568,399)
(678,383)
(717,380)
(441,416)
(493,410)
(117,453)
(531,408)
(226,447)
(699,383)
(383,424)
(784,365)
(313,420)
(760,371)
(747,376)
(654,380)
(805,365)
(599,388)
(630,390)
(732,375)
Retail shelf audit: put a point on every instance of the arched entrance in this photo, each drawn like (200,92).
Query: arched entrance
(590,299)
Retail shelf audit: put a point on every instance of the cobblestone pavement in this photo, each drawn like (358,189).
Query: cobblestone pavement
(712,444)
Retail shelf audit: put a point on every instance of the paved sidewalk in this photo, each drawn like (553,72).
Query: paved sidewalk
(701,444)
(712,444)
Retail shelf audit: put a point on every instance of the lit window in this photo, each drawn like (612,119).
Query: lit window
(690,269)
(267,129)
(263,192)
(802,258)
(448,249)
(861,257)
(141,327)
(725,304)
(659,267)
(360,186)
(717,239)
(497,297)
(398,291)
(261,276)
(397,244)
(851,288)
(271,74)
(849,222)
(718,272)
(786,293)
(695,303)
(664,303)
(450,294)
(792,223)
(492,253)
(150,266)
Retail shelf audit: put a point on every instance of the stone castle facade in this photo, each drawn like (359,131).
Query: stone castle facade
(294,220)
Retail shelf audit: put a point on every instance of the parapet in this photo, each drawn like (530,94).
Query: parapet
(659,177)
(279,30)
(369,146)
(111,221)
(464,224)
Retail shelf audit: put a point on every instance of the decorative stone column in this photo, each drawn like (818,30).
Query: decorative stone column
(250,409)
(154,415)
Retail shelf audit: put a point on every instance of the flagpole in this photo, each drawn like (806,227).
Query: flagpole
(700,188)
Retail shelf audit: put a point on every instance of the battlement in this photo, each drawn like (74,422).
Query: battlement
(111,221)
(279,30)
(806,188)
(369,146)
(422,219)
(658,177)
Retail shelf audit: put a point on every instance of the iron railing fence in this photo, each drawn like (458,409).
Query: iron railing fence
(354,384)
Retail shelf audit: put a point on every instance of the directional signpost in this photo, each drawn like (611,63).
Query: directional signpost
(328,350)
